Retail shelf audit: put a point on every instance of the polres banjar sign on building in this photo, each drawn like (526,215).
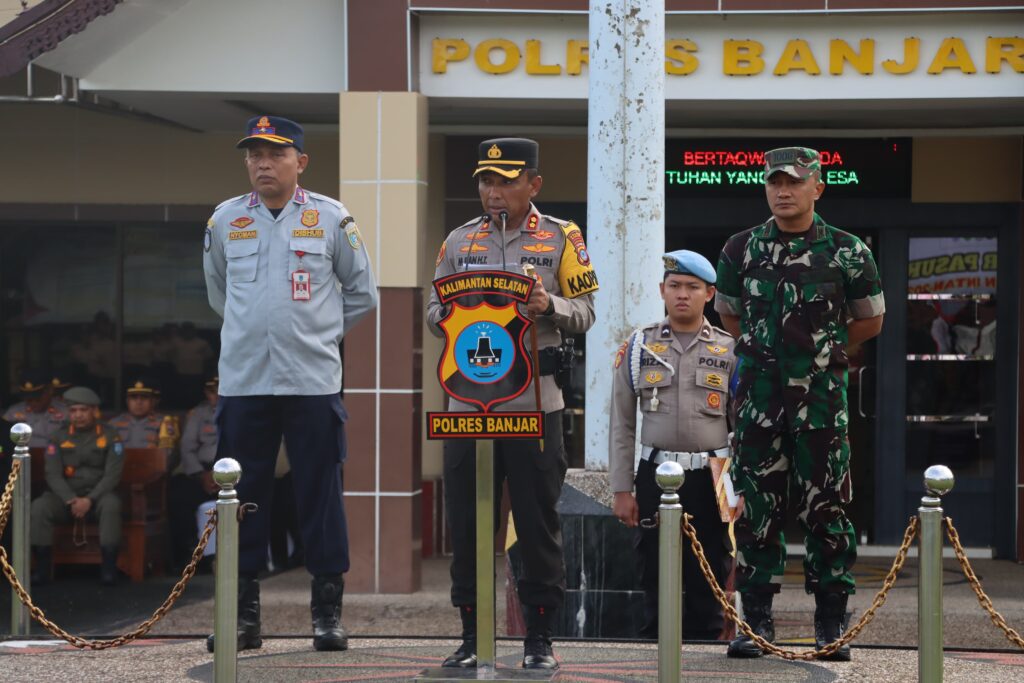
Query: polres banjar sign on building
(739,57)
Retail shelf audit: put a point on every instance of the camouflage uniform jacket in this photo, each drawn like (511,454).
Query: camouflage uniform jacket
(44,425)
(690,412)
(793,299)
(84,463)
(556,249)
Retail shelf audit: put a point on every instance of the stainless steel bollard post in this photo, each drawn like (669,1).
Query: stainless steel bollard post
(938,481)
(226,472)
(21,549)
(669,476)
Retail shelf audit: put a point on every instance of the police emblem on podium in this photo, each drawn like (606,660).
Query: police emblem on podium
(485,362)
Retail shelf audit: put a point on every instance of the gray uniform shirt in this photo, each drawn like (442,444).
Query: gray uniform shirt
(272,344)
(44,425)
(199,439)
(692,406)
(555,248)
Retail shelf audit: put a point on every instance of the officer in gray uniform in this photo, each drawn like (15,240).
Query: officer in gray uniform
(139,426)
(83,469)
(562,303)
(194,484)
(679,370)
(37,408)
(287,270)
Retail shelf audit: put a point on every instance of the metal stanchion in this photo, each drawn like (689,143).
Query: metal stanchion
(669,476)
(938,481)
(21,550)
(226,472)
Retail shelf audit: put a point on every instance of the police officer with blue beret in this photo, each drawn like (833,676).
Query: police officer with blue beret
(287,270)
(679,370)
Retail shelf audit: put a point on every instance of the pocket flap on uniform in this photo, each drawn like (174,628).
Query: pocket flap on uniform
(240,248)
(308,245)
(712,379)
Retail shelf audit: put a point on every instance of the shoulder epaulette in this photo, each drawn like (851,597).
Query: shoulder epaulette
(324,198)
(229,201)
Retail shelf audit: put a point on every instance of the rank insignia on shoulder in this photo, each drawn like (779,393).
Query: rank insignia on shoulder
(714,400)
(716,349)
(531,224)
(310,217)
(653,376)
(355,240)
(658,347)
(240,223)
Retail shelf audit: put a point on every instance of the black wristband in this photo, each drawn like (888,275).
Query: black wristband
(551,307)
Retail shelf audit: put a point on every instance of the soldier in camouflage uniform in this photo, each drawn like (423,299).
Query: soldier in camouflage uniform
(795,291)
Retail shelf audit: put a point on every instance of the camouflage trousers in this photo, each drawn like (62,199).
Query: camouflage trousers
(811,469)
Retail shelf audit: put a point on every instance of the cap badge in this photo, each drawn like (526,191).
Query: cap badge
(494,152)
(310,217)
(27,386)
(140,385)
(263,127)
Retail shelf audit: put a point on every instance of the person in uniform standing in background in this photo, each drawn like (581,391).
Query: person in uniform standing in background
(287,270)
(37,408)
(679,370)
(194,484)
(795,291)
(561,302)
(83,469)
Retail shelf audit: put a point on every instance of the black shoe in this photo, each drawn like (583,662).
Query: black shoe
(465,656)
(537,653)
(326,593)
(249,637)
(40,576)
(757,611)
(830,622)
(108,565)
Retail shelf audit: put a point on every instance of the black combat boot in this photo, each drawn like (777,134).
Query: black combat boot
(249,637)
(537,653)
(326,593)
(44,566)
(830,622)
(757,611)
(465,656)
(108,565)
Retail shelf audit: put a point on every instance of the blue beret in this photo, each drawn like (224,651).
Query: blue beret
(684,262)
(272,129)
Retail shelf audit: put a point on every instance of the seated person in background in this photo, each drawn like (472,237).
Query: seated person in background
(61,382)
(194,484)
(141,426)
(37,408)
(83,469)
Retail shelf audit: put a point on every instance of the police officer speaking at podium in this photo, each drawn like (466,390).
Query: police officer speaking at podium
(795,291)
(287,270)
(510,234)
(678,369)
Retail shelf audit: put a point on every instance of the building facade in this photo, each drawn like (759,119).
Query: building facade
(916,108)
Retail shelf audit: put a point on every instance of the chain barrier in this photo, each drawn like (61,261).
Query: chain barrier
(983,599)
(831,648)
(83,643)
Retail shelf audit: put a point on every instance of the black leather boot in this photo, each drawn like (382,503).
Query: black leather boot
(465,656)
(326,593)
(757,611)
(830,622)
(249,637)
(108,565)
(44,565)
(537,653)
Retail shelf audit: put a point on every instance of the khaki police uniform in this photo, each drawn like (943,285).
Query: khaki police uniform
(555,248)
(85,463)
(685,413)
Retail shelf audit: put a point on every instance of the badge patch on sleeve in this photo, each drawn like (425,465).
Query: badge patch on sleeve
(355,240)
(441,253)
(208,236)
(621,353)
(576,275)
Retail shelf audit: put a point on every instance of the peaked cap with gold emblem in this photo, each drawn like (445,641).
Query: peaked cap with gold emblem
(143,386)
(507,156)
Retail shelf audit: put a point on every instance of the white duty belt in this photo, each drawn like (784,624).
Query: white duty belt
(689,461)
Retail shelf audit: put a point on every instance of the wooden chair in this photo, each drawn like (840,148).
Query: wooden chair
(143,491)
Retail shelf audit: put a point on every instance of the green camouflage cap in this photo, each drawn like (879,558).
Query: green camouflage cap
(799,162)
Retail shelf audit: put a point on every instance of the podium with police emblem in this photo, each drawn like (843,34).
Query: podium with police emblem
(485,363)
